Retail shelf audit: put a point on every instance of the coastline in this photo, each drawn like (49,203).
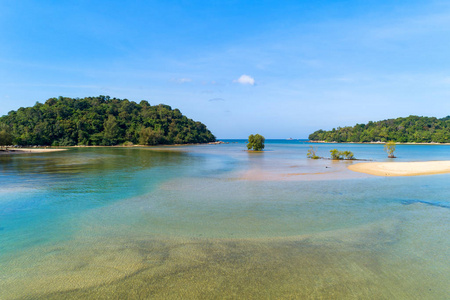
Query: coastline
(377,143)
(143,146)
(29,150)
(402,168)
(50,149)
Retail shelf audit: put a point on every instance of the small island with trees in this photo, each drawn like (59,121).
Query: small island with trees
(412,129)
(100,121)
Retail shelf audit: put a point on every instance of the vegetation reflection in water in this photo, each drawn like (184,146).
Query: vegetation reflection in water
(139,223)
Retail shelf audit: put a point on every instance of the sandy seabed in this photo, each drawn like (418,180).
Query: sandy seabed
(402,168)
(353,264)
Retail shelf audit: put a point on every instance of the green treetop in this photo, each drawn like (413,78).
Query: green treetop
(339,155)
(5,135)
(256,142)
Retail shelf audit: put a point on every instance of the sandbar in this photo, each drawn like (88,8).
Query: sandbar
(402,168)
(30,150)
(324,171)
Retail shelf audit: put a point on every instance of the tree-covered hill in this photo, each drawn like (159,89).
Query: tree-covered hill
(101,121)
(412,129)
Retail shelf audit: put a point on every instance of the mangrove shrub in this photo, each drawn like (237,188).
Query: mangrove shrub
(256,142)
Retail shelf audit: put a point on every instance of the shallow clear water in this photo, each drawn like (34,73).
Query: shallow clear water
(216,221)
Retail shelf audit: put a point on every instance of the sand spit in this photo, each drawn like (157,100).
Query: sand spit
(323,170)
(402,168)
(30,150)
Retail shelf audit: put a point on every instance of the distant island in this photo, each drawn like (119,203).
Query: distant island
(101,121)
(412,129)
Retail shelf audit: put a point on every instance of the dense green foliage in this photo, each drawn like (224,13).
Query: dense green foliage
(101,121)
(6,137)
(412,129)
(256,142)
(336,154)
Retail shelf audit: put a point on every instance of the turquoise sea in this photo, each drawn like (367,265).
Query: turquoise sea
(215,221)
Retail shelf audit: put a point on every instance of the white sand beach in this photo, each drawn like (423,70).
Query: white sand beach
(29,150)
(402,168)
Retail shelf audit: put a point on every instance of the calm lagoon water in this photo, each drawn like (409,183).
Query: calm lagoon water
(214,221)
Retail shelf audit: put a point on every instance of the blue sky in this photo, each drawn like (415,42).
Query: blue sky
(279,68)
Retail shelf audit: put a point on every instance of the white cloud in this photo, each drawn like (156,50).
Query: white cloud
(181,80)
(245,79)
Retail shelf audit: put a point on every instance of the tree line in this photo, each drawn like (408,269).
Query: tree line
(101,121)
(412,129)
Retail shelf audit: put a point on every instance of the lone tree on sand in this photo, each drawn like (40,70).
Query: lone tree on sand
(256,142)
(389,147)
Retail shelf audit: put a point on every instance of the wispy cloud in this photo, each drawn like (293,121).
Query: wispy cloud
(181,80)
(245,79)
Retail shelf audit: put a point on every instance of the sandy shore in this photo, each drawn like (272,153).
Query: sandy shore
(30,150)
(402,168)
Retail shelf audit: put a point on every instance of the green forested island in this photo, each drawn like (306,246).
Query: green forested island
(100,121)
(412,129)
